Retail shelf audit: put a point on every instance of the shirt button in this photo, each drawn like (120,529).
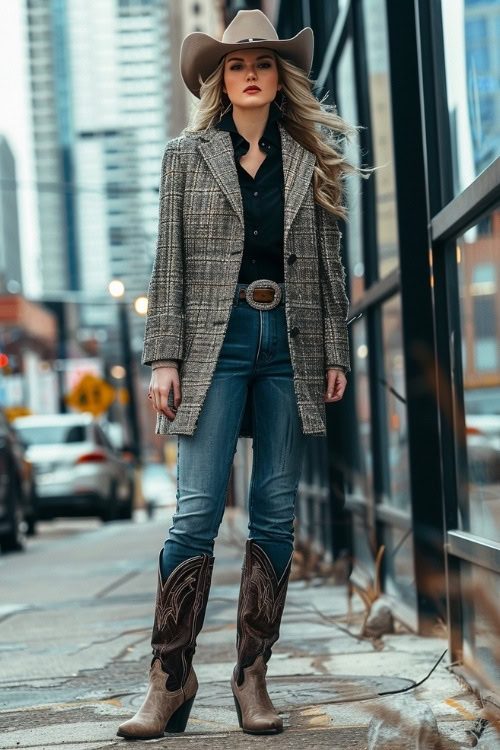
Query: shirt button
(292,258)
(294,331)
(255,231)
(253,260)
(256,192)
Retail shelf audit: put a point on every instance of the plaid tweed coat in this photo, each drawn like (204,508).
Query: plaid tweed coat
(195,271)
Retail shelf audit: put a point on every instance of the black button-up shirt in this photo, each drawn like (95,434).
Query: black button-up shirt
(263,202)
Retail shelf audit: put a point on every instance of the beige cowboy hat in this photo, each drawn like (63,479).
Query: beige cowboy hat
(201,53)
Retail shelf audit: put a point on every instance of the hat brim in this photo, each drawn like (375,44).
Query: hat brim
(201,53)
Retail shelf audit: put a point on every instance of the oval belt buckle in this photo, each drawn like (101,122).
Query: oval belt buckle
(258,284)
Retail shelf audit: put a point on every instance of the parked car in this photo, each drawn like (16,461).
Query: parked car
(78,471)
(18,500)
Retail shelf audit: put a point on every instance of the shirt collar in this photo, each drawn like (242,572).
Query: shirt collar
(271,131)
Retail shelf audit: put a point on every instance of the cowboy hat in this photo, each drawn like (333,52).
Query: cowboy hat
(201,53)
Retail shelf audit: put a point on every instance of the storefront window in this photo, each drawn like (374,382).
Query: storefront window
(480,597)
(399,564)
(471,41)
(346,87)
(395,401)
(479,285)
(381,134)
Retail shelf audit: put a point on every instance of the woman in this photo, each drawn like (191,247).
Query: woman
(246,327)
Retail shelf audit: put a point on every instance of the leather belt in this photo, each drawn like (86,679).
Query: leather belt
(262,294)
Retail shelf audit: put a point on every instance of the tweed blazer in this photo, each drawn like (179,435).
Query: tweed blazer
(195,270)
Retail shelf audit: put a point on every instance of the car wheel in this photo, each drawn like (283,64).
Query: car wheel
(32,517)
(128,508)
(31,525)
(14,540)
(110,510)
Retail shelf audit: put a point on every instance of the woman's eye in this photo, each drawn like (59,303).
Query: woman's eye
(238,65)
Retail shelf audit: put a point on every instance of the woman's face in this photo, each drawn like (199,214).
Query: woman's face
(250,67)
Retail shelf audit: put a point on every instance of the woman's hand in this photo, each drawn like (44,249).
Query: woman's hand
(336,383)
(162,380)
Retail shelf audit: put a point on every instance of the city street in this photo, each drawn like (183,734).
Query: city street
(75,617)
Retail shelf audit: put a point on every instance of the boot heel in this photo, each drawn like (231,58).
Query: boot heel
(179,719)
(238,711)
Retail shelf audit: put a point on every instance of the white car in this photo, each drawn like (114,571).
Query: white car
(78,472)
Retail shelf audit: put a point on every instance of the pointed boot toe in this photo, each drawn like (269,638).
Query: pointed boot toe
(179,614)
(255,710)
(260,608)
(162,710)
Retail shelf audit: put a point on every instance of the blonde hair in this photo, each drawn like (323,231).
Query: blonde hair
(313,124)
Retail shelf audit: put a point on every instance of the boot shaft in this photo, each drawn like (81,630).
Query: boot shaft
(181,603)
(260,607)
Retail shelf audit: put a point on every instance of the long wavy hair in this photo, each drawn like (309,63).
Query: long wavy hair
(313,124)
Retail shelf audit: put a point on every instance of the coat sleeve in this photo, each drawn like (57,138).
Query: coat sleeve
(164,331)
(335,303)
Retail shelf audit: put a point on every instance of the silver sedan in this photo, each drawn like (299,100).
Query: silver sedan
(78,472)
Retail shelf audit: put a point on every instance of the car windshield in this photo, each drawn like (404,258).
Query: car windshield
(51,434)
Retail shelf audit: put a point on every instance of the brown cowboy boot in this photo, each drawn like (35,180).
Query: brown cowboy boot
(260,607)
(179,613)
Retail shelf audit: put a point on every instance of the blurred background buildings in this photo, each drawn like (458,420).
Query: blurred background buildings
(412,459)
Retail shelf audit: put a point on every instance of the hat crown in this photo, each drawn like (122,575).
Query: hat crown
(249,25)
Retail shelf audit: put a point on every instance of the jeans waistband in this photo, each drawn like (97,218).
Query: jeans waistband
(236,298)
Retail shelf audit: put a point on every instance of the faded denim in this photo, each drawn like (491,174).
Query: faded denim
(255,355)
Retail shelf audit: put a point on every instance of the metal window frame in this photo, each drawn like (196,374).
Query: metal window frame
(474,549)
(450,216)
(350,24)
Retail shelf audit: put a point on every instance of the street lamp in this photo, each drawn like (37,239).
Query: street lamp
(116,288)
(141,305)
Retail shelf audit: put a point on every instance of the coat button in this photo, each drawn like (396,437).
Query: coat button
(292,258)
(294,331)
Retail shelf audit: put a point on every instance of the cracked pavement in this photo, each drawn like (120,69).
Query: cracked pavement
(76,613)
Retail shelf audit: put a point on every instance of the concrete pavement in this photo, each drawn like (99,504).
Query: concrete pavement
(75,623)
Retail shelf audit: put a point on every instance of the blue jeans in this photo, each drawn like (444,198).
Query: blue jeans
(254,357)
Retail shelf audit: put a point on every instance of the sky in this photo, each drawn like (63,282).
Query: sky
(15,125)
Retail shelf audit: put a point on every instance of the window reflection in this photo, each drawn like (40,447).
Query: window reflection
(346,87)
(381,133)
(471,41)
(481,591)
(399,566)
(395,401)
(479,280)
(362,478)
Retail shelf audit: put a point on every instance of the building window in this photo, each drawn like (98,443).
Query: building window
(377,54)
(472,64)
(478,263)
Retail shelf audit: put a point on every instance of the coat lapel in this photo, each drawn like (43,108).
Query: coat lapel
(298,166)
(218,152)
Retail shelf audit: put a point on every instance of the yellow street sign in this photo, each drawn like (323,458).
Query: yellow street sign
(91,394)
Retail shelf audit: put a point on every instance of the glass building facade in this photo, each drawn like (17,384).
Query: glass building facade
(412,457)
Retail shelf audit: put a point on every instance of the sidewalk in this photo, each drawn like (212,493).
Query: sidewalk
(75,623)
